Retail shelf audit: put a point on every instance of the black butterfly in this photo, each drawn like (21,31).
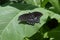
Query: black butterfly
(30,18)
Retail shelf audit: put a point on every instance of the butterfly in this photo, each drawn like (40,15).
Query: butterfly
(30,18)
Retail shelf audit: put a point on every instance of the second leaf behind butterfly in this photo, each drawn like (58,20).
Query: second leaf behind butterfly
(30,18)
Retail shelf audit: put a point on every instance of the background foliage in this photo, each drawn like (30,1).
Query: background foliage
(10,10)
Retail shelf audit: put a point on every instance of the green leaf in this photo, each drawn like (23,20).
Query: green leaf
(6,15)
(9,27)
(55,33)
(44,3)
(55,3)
(34,2)
(23,6)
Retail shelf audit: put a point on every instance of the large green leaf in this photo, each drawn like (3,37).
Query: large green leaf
(9,27)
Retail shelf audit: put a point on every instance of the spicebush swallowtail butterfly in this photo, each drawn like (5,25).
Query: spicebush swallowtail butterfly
(30,18)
